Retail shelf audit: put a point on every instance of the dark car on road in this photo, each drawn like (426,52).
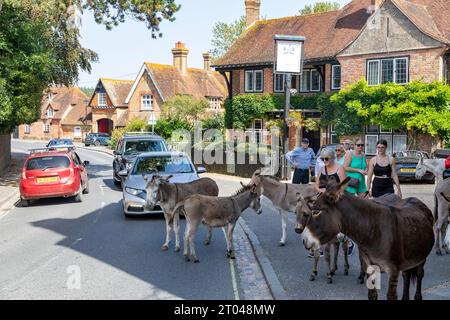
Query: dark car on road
(444,154)
(130,146)
(406,163)
(97,139)
(59,142)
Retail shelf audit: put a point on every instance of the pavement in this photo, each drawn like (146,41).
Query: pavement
(89,238)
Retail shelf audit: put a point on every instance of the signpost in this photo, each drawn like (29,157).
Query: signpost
(289,52)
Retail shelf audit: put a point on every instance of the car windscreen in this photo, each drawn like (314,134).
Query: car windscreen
(42,163)
(163,164)
(140,146)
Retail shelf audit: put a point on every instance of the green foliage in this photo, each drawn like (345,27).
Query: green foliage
(185,108)
(166,126)
(39,47)
(246,107)
(134,125)
(216,121)
(89,91)
(225,35)
(418,106)
(320,7)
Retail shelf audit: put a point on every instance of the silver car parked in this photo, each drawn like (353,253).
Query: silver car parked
(172,163)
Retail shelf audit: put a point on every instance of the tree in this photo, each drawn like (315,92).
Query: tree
(225,35)
(320,7)
(418,107)
(39,46)
(185,108)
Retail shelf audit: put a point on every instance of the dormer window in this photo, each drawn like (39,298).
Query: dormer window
(147,102)
(102,99)
(50,97)
(50,112)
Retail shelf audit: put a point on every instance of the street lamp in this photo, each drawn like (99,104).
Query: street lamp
(288,61)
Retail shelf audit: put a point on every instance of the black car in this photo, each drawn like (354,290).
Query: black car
(97,139)
(406,163)
(443,154)
(130,146)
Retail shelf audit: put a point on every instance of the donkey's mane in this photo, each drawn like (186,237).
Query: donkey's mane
(242,190)
(271,177)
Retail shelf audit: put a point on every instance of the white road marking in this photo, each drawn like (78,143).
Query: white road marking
(233,273)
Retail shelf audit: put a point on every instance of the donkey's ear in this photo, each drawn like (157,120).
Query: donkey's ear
(166,178)
(257,172)
(253,188)
(144,177)
(335,192)
(299,197)
(242,184)
(443,195)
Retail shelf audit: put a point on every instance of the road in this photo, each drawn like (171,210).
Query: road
(42,246)
(121,258)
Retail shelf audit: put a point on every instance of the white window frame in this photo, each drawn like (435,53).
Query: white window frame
(214,103)
(26,129)
(144,102)
(275,88)
(249,89)
(102,99)
(309,88)
(77,132)
(333,75)
(379,70)
(50,97)
(320,81)
(46,128)
(382,130)
(50,112)
(376,136)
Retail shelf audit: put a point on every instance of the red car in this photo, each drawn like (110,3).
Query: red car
(447,163)
(55,172)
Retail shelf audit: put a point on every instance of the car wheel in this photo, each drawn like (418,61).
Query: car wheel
(79,196)
(127,216)
(25,203)
(97,143)
(117,183)
(86,190)
(86,145)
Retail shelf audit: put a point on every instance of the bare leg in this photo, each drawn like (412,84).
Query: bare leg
(406,282)
(208,236)
(284,217)
(420,274)
(176,229)
(393,281)
(168,229)
(313,275)
(230,253)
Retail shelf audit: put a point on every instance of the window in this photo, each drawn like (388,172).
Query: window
(49,112)
(253,81)
(279,83)
(399,143)
(50,97)
(147,102)
(335,77)
(77,132)
(102,99)
(26,129)
(214,103)
(387,70)
(46,128)
(311,81)
(396,139)
(371,144)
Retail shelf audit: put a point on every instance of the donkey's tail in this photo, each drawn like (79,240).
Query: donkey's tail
(178,206)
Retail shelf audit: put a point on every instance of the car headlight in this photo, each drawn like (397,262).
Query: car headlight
(136,192)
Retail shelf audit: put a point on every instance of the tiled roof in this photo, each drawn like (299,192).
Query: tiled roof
(117,90)
(122,119)
(329,33)
(68,105)
(198,83)
(326,34)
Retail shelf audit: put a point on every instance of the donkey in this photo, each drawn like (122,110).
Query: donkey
(159,189)
(396,236)
(304,218)
(441,207)
(282,195)
(216,212)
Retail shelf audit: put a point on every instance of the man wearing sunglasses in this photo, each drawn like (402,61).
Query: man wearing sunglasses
(301,159)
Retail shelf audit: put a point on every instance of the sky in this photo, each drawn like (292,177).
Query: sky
(123,49)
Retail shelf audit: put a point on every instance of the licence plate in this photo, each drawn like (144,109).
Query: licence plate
(47,180)
(407,170)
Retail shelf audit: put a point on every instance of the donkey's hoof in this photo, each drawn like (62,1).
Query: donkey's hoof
(206,242)
(312,277)
(345,272)
(330,280)
(186,258)
(418,296)
(281,244)
(196,260)
(439,252)
(361,279)
(165,247)
(177,249)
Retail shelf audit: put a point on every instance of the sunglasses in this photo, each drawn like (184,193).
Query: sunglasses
(324,159)
(360,145)
(381,147)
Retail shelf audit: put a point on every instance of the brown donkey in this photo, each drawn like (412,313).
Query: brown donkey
(216,212)
(396,236)
(160,190)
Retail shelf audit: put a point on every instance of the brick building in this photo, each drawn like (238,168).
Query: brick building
(64,114)
(115,102)
(381,41)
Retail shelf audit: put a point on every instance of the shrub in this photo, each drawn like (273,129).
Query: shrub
(132,126)
(165,127)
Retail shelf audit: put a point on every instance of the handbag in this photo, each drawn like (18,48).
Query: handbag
(354,183)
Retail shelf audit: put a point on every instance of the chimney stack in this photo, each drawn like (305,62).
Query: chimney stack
(180,53)
(252,12)
(374,6)
(207,61)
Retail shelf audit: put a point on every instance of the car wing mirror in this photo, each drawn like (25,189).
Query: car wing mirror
(201,169)
(86,163)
